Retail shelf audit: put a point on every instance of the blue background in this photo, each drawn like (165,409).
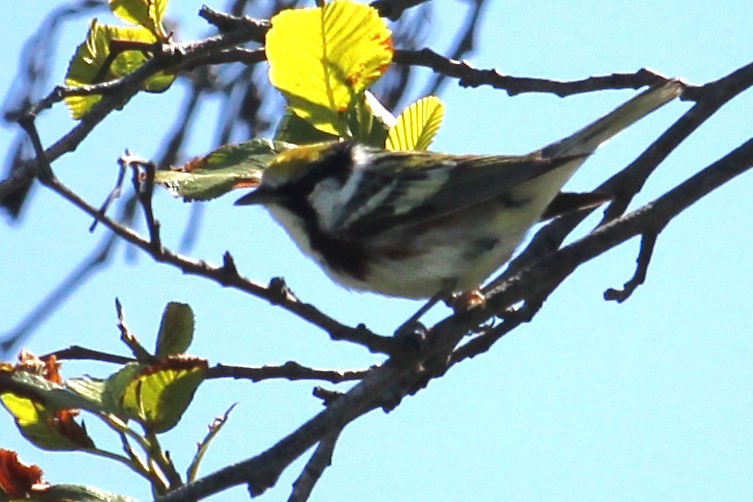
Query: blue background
(648,400)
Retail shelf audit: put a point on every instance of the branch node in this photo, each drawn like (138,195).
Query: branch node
(327,396)
(280,293)
(228,265)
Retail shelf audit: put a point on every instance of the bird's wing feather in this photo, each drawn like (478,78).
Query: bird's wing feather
(391,194)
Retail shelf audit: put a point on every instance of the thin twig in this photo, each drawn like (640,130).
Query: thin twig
(639,277)
(228,276)
(291,370)
(314,468)
(128,338)
(78,353)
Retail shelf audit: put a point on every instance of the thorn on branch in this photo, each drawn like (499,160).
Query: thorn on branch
(280,292)
(327,396)
(648,241)
(228,265)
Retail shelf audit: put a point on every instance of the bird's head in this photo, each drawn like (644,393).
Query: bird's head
(300,169)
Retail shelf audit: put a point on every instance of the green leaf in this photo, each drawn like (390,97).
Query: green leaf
(91,389)
(295,129)
(110,52)
(147,13)
(176,330)
(115,387)
(56,396)
(321,58)
(31,420)
(227,168)
(48,422)
(371,120)
(161,392)
(417,126)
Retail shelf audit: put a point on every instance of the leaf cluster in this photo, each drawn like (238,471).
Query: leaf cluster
(150,391)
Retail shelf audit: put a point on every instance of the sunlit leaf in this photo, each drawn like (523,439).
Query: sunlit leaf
(148,13)
(417,126)
(175,330)
(110,52)
(161,392)
(49,430)
(227,168)
(320,58)
(116,385)
(92,389)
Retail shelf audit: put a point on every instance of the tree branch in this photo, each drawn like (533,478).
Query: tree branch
(291,370)
(469,76)
(319,461)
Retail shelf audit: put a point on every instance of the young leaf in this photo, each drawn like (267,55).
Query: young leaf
(56,431)
(227,168)
(16,478)
(175,330)
(115,387)
(417,125)
(146,13)
(320,58)
(95,62)
(161,392)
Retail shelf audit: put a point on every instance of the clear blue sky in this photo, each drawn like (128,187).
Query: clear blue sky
(648,400)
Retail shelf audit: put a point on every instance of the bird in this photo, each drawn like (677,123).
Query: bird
(420,224)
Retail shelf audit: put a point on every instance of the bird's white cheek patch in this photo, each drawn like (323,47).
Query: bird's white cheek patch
(327,201)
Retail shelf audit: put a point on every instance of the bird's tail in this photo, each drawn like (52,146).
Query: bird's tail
(585,141)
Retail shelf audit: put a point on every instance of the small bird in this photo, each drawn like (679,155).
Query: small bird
(419,224)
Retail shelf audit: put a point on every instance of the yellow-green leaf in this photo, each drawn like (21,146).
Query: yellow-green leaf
(175,330)
(110,52)
(227,168)
(161,392)
(321,58)
(146,13)
(50,426)
(417,125)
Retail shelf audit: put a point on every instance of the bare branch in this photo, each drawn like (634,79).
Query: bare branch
(76,352)
(228,276)
(393,9)
(470,76)
(319,461)
(291,370)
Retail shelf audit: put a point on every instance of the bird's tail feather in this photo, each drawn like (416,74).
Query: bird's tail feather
(585,141)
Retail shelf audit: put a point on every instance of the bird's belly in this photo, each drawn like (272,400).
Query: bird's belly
(443,258)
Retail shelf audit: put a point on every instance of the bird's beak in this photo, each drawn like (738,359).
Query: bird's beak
(258,196)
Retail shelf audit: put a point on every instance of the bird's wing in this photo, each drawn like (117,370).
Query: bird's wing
(435,186)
